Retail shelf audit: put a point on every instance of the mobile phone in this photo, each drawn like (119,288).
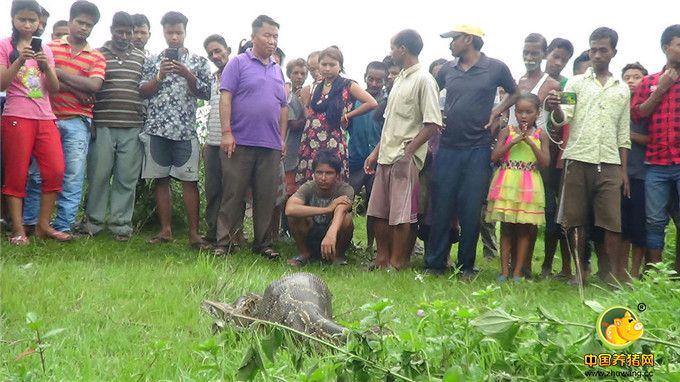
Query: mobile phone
(568,98)
(36,44)
(172,54)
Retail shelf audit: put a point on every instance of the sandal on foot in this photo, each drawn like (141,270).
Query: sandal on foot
(55,235)
(340,261)
(19,240)
(298,261)
(220,251)
(201,245)
(269,253)
(224,250)
(562,276)
(121,237)
(158,239)
(372,266)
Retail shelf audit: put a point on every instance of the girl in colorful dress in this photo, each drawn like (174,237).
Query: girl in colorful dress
(28,124)
(516,196)
(328,114)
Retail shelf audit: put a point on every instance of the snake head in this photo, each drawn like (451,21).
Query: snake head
(239,313)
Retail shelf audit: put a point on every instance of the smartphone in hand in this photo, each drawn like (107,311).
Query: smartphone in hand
(568,98)
(172,54)
(36,44)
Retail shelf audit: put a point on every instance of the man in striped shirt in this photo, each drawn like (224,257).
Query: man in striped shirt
(80,70)
(115,158)
(218,53)
(140,32)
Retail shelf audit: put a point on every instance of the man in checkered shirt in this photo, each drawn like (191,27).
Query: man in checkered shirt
(657,100)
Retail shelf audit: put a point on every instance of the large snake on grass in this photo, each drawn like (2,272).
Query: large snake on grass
(300,301)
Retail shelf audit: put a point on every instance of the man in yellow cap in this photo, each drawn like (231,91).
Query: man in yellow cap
(461,168)
(462,29)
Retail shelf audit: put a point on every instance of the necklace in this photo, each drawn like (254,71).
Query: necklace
(120,56)
(327,84)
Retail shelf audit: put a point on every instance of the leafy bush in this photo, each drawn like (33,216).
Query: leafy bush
(446,341)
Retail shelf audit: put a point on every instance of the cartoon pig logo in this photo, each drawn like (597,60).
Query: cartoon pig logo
(618,327)
(623,330)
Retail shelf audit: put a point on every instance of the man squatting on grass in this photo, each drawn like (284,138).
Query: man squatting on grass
(320,213)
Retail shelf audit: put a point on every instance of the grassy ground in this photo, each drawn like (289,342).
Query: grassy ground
(131,311)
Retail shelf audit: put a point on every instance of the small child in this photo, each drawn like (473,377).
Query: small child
(516,196)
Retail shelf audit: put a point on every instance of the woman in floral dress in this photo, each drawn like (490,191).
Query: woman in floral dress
(328,114)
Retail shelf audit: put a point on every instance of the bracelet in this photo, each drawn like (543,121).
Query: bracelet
(225,131)
(158,77)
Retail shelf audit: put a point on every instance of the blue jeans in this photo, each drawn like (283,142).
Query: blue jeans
(75,140)
(33,190)
(459,186)
(658,184)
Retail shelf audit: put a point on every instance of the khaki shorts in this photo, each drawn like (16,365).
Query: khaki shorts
(395,198)
(164,157)
(591,188)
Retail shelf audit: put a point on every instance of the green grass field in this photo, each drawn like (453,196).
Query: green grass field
(131,311)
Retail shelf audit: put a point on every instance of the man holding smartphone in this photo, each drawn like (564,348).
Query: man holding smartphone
(559,53)
(173,81)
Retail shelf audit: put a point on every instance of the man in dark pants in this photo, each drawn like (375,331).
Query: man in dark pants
(559,53)
(254,119)
(461,169)
(218,53)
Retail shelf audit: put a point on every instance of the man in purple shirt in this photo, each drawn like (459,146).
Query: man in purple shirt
(254,118)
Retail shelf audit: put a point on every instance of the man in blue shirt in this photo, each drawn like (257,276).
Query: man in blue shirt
(461,168)
(364,135)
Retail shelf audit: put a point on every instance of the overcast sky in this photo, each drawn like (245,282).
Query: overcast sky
(362,29)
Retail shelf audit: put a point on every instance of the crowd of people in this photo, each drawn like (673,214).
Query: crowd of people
(440,153)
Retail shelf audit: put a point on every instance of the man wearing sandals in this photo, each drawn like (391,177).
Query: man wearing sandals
(173,81)
(254,118)
(115,155)
(320,213)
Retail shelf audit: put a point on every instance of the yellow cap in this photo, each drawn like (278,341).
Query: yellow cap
(464,29)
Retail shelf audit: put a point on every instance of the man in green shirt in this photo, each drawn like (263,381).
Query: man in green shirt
(597,152)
